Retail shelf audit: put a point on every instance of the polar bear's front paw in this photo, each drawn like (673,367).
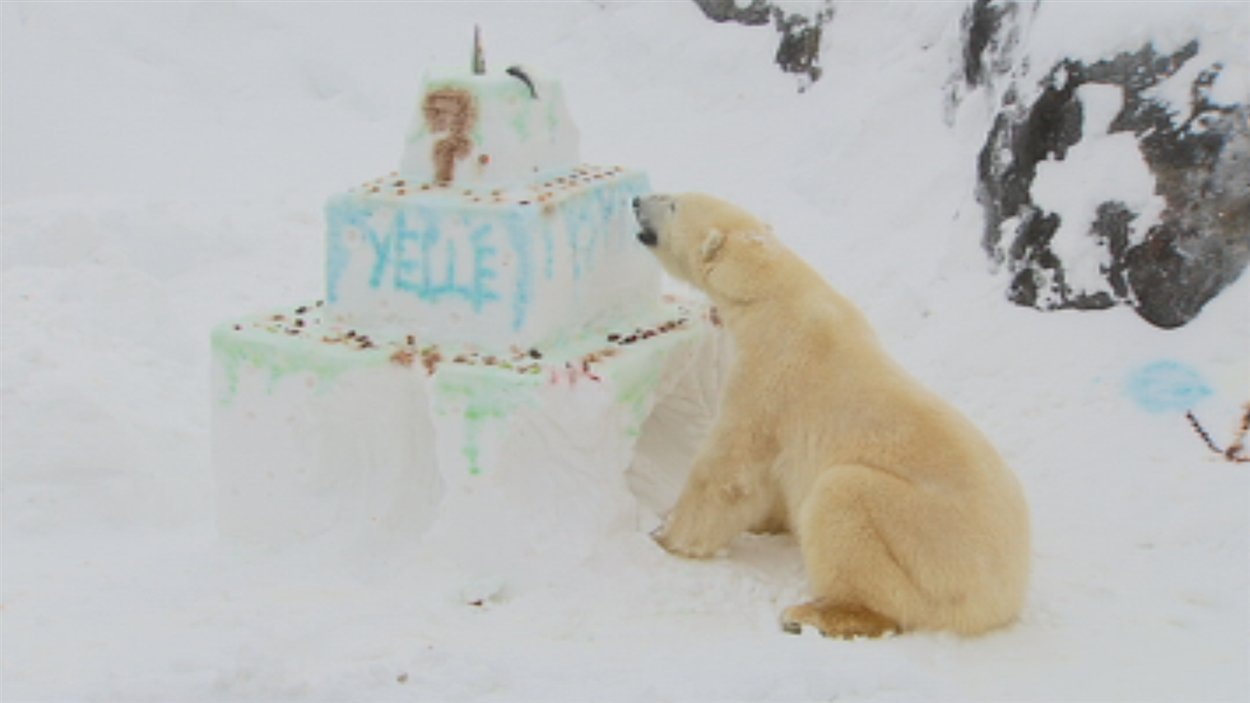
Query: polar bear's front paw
(673,543)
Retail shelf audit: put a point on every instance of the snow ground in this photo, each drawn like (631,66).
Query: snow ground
(164,168)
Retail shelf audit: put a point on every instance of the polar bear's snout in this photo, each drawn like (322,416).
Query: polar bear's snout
(649,211)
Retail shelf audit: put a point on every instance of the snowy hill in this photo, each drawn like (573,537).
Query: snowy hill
(164,168)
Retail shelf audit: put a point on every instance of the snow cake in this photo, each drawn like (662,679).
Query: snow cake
(490,328)
(490,233)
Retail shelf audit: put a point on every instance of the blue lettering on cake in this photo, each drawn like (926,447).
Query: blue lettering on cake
(483,273)
(405,266)
(591,223)
(381,243)
(339,219)
(574,223)
(416,254)
(429,239)
(449,274)
(607,202)
(549,269)
(610,201)
(525,276)
(419,251)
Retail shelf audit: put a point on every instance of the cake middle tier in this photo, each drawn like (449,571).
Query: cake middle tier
(528,266)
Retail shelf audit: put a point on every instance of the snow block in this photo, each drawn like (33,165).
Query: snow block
(319,430)
(528,264)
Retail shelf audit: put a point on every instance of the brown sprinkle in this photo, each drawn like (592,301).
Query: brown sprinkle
(430,361)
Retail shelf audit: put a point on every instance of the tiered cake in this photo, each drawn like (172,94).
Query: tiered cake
(490,233)
(488,316)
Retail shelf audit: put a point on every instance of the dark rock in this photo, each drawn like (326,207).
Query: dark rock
(990,36)
(799,49)
(757,12)
(988,33)
(1201,242)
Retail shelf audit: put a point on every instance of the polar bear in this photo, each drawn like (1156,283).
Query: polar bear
(905,515)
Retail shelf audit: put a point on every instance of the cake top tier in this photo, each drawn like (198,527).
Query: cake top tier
(491,129)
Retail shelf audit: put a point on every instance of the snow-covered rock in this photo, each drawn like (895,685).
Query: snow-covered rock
(1153,132)
(800,25)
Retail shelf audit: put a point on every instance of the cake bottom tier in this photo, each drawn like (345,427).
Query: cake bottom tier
(318,430)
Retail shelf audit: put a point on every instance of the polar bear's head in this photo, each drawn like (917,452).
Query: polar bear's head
(709,243)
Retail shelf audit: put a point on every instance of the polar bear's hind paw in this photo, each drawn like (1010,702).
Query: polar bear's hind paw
(840,621)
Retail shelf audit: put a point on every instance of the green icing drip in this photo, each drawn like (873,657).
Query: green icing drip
(636,382)
(281,356)
(552,121)
(518,96)
(483,394)
(487,396)
(637,376)
(477,132)
(521,124)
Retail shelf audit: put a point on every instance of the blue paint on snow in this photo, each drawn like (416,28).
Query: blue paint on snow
(1167,386)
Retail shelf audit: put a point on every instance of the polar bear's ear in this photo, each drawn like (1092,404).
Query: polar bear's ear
(712,243)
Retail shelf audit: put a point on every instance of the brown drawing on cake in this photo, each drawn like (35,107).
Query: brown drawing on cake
(452,111)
